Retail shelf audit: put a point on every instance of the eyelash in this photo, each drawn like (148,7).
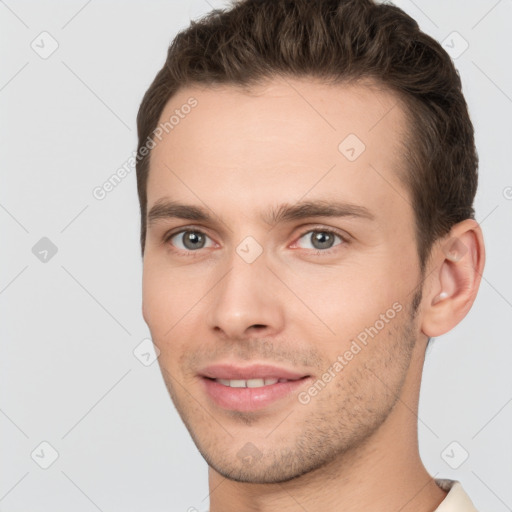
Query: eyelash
(344,240)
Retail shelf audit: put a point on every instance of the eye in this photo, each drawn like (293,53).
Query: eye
(320,239)
(190,240)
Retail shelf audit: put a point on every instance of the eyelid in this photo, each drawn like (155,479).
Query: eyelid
(188,227)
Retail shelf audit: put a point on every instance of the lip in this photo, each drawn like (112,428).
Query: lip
(250,399)
(254,371)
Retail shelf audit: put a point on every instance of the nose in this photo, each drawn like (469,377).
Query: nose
(245,302)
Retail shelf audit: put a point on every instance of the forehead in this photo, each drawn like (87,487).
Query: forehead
(283,139)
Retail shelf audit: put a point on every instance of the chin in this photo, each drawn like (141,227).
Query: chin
(269,469)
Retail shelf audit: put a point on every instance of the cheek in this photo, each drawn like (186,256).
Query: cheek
(163,313)
(358,301)
(170,296)
(159,297)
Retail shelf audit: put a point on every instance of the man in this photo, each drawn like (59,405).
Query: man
(306,178)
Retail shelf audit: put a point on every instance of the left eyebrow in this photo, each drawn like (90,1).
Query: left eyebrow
(306,209)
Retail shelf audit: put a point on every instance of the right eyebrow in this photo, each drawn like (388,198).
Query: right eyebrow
(165,209)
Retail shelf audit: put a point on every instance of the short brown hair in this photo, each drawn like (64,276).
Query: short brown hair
(337,41)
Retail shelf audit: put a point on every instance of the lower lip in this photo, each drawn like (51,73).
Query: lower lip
(250,399)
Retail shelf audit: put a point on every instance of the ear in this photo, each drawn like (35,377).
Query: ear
(454,276)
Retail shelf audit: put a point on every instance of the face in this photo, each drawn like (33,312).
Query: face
(279,272)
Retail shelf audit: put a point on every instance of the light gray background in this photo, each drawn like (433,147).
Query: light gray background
(69,326)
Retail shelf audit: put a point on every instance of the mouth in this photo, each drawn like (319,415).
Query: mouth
(251,383)
(250,388)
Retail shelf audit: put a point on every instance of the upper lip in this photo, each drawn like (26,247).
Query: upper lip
(254,371)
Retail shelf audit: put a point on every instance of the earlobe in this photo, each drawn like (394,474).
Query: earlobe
(457,265)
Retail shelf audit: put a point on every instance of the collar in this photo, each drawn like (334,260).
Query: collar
(456,500)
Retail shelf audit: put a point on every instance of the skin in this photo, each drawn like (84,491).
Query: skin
(354,445)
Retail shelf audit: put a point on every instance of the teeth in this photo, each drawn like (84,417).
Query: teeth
(250,383)
(255,383)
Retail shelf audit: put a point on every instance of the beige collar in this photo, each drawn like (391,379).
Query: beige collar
(456,500)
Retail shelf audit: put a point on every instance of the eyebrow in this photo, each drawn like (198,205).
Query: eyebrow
(167,209)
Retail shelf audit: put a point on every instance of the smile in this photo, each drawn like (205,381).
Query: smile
(249,383)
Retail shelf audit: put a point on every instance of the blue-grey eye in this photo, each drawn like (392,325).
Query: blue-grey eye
(190,240)
(320,239)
